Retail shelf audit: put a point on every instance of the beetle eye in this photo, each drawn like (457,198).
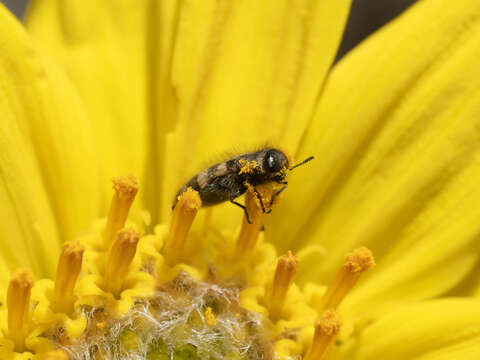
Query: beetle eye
(271,163)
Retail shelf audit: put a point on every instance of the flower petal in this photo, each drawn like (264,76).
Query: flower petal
(103,47)
(246,72)
(42,102)
(434,330)
(25,211)
(241,72)
(398,144)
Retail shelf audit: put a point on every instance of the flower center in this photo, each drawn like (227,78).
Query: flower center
(179,293)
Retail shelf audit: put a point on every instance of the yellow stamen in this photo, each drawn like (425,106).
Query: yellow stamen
(119,259)
(55,355)
(125,188)
(285,275)
(357,262)
(210,317)
(326,329)
(68,269)
(247,239)
(18,305)
(188,204)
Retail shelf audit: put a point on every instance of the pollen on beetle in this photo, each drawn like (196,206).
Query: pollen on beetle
(247,167)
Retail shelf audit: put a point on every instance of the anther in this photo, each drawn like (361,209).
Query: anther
(18,305)
(119,259)
(355,264)
(126,188)
(326,329)
(55,355)
(186,209)
(68,269)
(247,239)
(285,274)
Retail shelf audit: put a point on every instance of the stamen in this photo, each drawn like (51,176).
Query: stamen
(357,262)
(126,188)
(55,355)
(247,239)
(68,269)
(209,317)
(188,204)
(119,259)
(18,305)
(326,329)
(285,275)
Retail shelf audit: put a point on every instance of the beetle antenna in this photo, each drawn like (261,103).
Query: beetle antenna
(303,162)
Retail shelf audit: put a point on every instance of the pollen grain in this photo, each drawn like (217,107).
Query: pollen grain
(247,167)
(210,319)
(326,329)
(355,264)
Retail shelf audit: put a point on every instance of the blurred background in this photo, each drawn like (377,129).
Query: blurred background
(366,17)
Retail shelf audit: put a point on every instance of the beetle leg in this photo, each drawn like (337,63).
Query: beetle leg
(244,209)
(285,184)
(259,197)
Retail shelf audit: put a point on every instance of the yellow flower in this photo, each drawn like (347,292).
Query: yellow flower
(91,90)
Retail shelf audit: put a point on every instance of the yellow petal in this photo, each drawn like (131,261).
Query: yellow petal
(28,230)
(397,139)
(103,47)
(46,164)
(436,330)
(246,72)
(50,115)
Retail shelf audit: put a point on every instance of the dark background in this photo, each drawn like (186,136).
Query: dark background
(366,16)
